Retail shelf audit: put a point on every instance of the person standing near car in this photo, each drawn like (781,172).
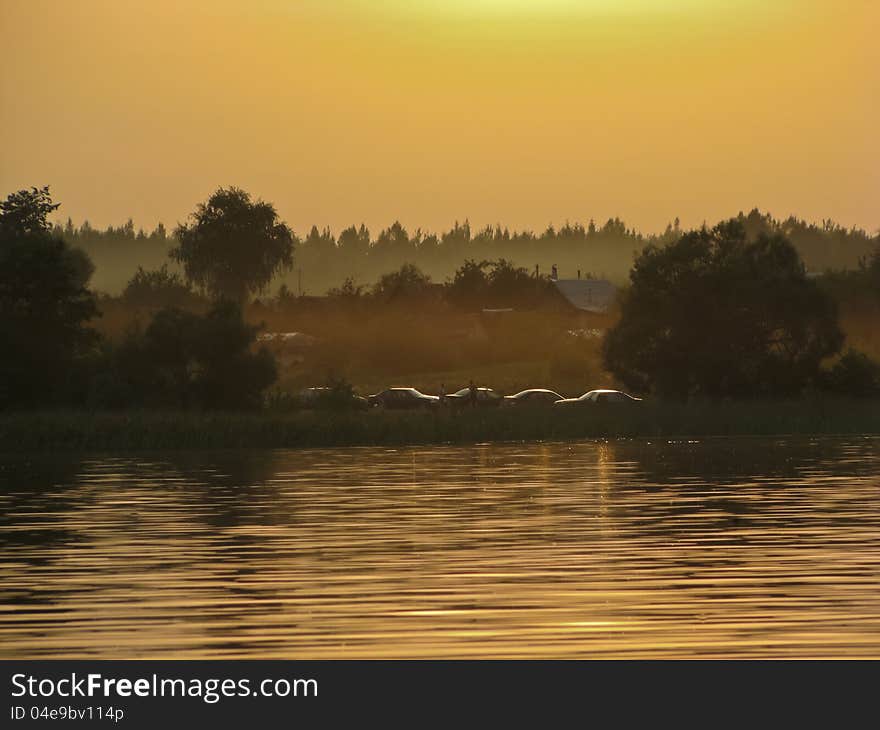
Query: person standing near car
(472,394)
(442,394)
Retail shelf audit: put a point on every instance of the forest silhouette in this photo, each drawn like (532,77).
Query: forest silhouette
(324,260)
(731,311)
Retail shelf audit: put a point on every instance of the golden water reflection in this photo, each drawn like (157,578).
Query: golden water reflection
(727,547)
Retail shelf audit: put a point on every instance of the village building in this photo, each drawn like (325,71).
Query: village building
(586,295)
(586,303)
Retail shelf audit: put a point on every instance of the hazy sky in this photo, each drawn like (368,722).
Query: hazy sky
(523,112)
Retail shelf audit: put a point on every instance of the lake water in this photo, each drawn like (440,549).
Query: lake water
(714,548)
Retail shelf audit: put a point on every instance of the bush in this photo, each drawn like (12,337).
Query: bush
(406,285)
(339,396)
(159,288)
(494,284)
(854,374)
(186,360)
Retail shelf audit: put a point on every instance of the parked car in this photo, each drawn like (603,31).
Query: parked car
(600,397)
(533,397)
(485,397)
(403,398)
(329,398)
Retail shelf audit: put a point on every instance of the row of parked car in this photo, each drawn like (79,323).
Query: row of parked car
(481,397)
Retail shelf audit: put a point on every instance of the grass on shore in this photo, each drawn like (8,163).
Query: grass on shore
(136,430)
(507,378)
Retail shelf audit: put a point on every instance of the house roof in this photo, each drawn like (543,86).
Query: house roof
(292,339)
(588,295)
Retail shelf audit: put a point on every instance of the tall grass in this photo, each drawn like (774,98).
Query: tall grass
(78,430)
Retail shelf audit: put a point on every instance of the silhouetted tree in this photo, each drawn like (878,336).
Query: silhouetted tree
(354,242)
(233,247)
(718,314)
(393,240)
(348,292)
(44,304)
(854,374)
(406,284)
(184,360)
(513,286)
(159,288)
(26,212)
(469,288)
(493,284)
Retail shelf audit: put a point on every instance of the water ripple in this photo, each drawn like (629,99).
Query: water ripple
(714,548)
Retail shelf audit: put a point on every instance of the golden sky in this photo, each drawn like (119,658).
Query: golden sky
(523,112)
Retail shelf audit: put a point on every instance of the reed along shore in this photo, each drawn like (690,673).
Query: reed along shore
(146,430)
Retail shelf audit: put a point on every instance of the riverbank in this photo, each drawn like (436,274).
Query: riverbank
(117,431)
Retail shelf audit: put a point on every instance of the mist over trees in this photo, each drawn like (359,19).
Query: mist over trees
(118,251)
(729,311)
(324,261)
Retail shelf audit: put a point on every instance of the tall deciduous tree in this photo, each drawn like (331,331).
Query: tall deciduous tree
(44,304)
(718,314)
(233,247)
(26,212)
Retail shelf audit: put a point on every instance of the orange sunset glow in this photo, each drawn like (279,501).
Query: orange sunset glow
(471,331)
(513,111)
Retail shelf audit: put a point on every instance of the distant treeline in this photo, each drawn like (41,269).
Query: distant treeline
(323,260)
(722,312)
(117,252)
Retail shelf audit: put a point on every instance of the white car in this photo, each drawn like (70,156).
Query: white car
(402,398)
(616,397)
(533,397)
